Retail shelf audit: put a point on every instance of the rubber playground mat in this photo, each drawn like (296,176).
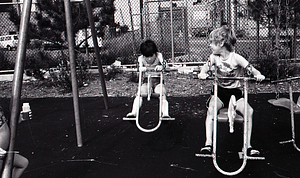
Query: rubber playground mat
(116,148)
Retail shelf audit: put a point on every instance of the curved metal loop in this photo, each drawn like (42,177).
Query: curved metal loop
(215,133)
(160,103)
(245,136)
(147,130)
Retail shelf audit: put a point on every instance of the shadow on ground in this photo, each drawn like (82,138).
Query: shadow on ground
(116,148)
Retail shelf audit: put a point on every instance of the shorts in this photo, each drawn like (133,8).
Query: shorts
(224,95)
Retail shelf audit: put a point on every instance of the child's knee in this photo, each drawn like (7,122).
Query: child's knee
(158,89)
(144,89)
(20,161)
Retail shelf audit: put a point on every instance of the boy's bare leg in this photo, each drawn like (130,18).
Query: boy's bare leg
(209,120)
(241,108)
(165,104)
(165,107)
(137,103)
(20,164)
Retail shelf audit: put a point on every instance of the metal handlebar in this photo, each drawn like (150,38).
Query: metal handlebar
(285,80)
(231,78)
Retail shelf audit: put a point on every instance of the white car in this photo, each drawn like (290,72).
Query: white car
(9,41)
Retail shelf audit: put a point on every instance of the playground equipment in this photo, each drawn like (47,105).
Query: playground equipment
(224,116)
(19,69)
(288,104)
(151,73)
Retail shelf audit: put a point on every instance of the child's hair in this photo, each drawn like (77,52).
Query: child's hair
(148,48)
(224,34)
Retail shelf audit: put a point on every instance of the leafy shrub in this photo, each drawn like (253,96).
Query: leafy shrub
(108,57)
(133,77)
(273,66)
(62,75)
(36,61)
(111,72)
(4,63)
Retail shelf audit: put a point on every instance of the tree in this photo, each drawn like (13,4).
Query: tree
(257,11)
(282,14)
(50,24)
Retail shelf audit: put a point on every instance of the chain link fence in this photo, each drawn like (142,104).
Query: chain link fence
(181,34)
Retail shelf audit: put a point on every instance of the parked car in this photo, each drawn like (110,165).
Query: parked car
(9,42)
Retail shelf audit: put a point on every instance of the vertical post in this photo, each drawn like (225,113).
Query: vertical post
(172,35)
(292,109)
(97,51)
(246,120)
(73,70)
(132,27)
(141,19)
(87,46)
(17,86)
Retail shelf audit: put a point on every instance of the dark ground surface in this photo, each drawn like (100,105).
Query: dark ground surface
(116,148)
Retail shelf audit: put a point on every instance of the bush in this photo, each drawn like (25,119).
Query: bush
(111,72)
(62,76)
(274,67)
(133,77)
(36,61)
(4,63)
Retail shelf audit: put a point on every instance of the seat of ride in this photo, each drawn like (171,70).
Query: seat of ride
(285,102)
(223,116)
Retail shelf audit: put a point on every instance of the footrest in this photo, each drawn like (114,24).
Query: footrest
(167,119)
(133,119)
(129,118)
(241,156)
(288,141)
(203,155)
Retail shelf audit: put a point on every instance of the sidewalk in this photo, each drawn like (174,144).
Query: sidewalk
(9,77)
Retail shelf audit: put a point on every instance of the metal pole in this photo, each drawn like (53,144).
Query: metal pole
(17,86)
(132,27)
(141,19)
(172,35)
(97,51)
(73,70)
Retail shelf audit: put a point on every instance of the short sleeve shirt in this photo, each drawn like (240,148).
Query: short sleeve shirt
(154,62)
(231,67)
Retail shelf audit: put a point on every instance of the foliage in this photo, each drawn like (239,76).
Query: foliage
(5,63)
(35,61)
(111,72)
(273,64)
(50,22)
(62,75)
(279,14)
(133,77)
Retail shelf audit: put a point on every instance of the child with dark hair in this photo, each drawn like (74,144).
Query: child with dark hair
(20,163)
(150,58)
(227,63)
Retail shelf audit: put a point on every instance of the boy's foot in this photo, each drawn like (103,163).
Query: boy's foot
(166,116)
(207,149)
(252,152)
(130,115)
